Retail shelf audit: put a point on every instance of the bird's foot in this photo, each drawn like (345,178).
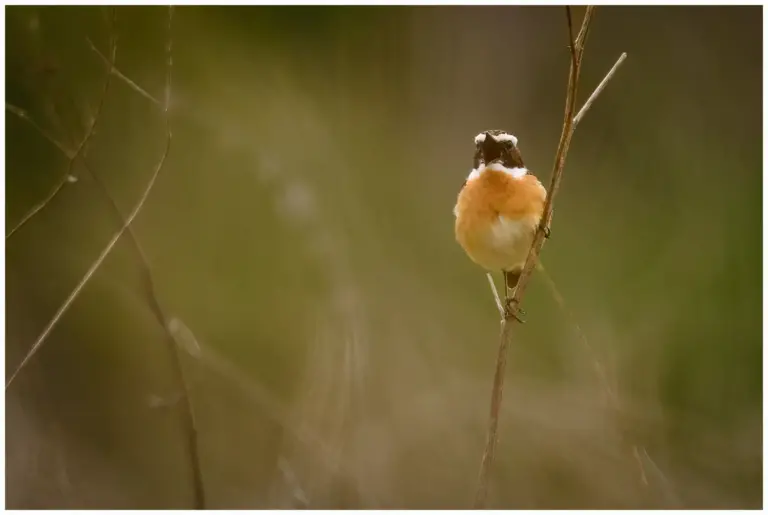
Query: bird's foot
(513,310)
(546,230)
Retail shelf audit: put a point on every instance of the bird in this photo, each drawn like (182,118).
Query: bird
(499,208)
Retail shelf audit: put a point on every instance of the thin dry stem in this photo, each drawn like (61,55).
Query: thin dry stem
(83,143)
(499,305)
(21,113)
(507,323)
(188,421)
(261,398)
(187,414)
(599,369)
(120,75)
(63,308)
(571,46)
(638,451)
(598,90)
(585,25)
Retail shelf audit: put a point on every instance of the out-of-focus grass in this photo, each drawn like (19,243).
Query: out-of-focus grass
(303,231)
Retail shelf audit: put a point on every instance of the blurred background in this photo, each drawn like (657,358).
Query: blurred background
(339,345)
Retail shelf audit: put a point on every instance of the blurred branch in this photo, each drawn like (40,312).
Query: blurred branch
(117,73)
(73,157)
(507,322)
(599,369)
(21,113)
(187,413)
(262,399)
(188,420)
(638,451)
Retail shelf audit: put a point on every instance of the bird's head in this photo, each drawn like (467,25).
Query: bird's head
(496,146)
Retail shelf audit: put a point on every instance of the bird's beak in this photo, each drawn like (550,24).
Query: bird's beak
(491,149)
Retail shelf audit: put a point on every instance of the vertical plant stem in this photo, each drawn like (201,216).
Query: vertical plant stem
(576,48)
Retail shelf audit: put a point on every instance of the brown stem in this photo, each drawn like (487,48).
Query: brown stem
(74,155)
(507,323)
(187,414)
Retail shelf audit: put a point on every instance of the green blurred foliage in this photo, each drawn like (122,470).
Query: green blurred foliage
(302,230)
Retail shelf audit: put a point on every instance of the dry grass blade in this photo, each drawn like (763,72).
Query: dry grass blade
(262,400)
(73,295)
(611,394)
(83,143)
(576,53)
(120,75)
(21,113)
(188,421)
(187,415)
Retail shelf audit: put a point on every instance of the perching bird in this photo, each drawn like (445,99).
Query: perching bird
(499,207)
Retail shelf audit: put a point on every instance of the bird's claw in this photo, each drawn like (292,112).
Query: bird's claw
(547,232)
(512,310)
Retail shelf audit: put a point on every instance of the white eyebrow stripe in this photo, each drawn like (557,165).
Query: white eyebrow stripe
(498,137)
(506,137)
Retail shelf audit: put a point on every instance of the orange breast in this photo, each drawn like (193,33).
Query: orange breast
(496,217)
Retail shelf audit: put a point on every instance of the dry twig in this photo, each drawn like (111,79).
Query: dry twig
(83,143)
(120,75)
(188,421)
(72,158)
(576,48)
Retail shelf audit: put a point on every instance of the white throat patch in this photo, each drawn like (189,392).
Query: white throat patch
(517,172)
